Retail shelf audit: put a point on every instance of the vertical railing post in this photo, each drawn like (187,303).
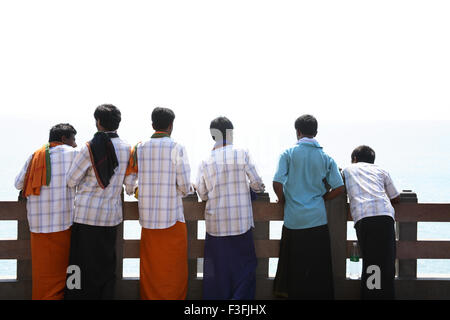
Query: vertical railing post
(194,285)
(337,210)
(407,231)
(262,232)
(24,265)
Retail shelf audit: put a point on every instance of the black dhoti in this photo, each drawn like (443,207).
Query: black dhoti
(93,250)
(304,267)
(376,238)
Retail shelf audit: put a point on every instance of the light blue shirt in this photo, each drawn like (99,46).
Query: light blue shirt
(302,170)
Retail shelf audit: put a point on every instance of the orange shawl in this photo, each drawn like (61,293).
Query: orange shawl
(132,163)
(39,170)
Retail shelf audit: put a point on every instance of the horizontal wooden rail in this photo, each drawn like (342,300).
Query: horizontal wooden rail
(417,249)
(419,212)
(15,249)
(408,249)
(263,248)
(13,210)
(194,211)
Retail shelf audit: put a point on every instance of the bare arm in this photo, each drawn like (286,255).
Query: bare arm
(334,193)
(278,188)
(395,200)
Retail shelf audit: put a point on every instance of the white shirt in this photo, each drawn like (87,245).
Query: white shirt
(52,210)
(94,205)
(369,190)
(163,180)
(224,181)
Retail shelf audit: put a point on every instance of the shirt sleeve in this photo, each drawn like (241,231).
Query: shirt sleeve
(20,179)
(79,167)
(282,172)
(183,172)
(200,184)
(334,177)
(391,191)
(256,183)
(345,178)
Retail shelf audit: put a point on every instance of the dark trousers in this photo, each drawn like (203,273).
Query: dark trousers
(376,238)
(304,269)
(93,250)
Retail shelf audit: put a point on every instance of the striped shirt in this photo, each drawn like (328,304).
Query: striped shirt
(163,180)
(94,205)
(369,190)
(224,181)
(52,210)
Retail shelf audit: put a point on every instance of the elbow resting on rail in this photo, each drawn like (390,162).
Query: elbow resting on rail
(334,193)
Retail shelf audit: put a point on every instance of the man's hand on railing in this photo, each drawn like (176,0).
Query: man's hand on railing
(278,188)
(281,202)
(395,200)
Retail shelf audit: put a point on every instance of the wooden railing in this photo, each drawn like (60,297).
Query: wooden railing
(408,249)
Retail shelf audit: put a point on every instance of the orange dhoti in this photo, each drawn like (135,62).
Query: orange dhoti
(49,262)
(163,266)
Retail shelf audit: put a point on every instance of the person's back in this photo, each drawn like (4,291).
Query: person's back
(224,181)
(57,213)
(50,211)
(307,166)
(94,204)
(98,173)
(161,168)
(371,193)
(305,177)
(163,180)
(226,186)
(370,189)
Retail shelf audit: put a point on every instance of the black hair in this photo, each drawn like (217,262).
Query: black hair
(162,118)
(61,130)
(109,116)
(219,126)
(307,125)
(364,154)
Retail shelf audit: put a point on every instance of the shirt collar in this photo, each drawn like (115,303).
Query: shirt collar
(160,134)
(310,141)
(227,146)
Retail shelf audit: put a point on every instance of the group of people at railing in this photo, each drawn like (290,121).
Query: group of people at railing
(74,208)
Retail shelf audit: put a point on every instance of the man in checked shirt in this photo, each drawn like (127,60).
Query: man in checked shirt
(162,169)
(371,194)
(98,173)
(49,211)
(224,180)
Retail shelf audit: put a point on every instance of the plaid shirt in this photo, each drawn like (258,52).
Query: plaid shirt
(369,190)
(163,180)
(52,210)
(223,181)
(94,205)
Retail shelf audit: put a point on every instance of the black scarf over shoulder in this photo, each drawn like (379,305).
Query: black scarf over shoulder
(103,157)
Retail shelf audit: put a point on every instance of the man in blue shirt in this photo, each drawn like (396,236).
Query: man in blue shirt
(306,177)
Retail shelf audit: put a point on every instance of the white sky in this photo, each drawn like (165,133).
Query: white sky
(260,63)
(335,59)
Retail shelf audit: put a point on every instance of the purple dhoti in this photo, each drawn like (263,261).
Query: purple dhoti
(229,268)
